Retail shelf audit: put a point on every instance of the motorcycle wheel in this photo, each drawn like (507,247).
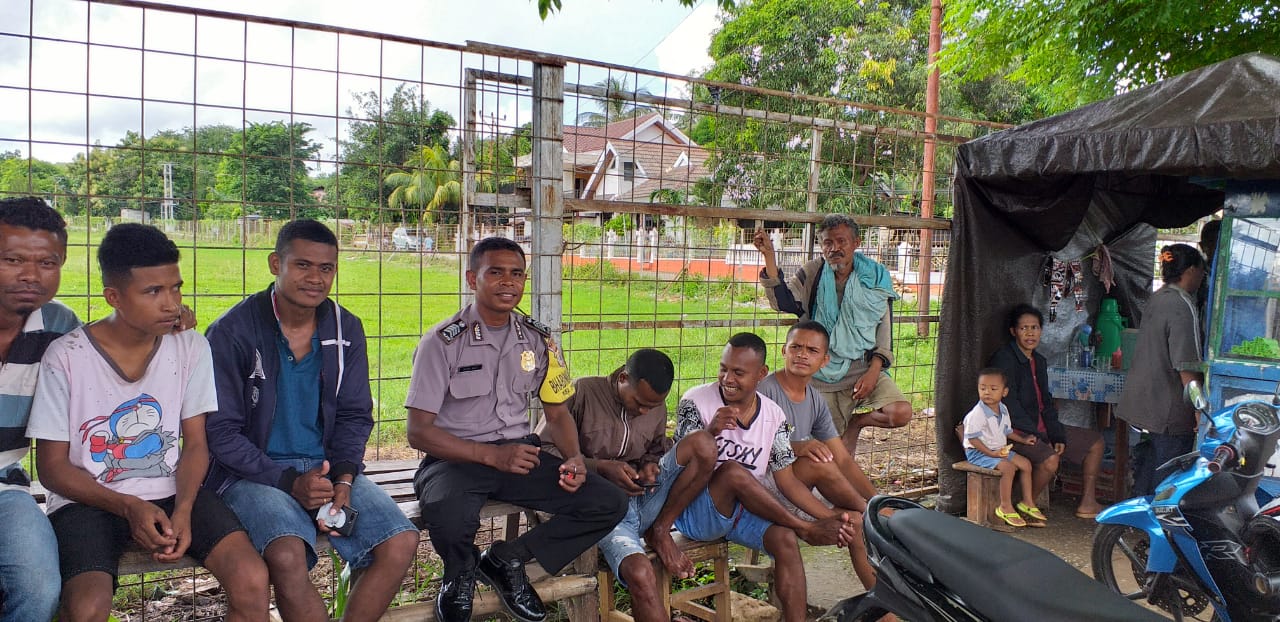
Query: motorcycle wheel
(1120,563)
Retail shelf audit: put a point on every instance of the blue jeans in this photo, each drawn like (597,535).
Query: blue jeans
(624,540)
(1153,451)
(269,513)
(29,579)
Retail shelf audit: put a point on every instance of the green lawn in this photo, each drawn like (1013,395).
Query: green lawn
(400,296)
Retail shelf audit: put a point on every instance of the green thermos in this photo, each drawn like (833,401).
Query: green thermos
(1109,325)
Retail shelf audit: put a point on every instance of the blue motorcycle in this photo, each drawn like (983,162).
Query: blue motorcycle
(1206,546)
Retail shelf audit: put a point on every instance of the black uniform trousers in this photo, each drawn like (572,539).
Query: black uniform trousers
(452,493)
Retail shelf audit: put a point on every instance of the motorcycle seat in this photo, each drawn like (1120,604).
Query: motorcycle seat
(1004,578)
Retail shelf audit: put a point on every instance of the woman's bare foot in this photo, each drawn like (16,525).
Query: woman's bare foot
(1089,510)
(676,562)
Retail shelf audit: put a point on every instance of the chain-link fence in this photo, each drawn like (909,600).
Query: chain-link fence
(635,193)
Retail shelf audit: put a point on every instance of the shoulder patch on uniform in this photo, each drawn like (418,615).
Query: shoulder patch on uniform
(450,331)
(538,326)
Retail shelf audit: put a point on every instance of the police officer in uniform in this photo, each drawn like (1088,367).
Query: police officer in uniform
(468,407)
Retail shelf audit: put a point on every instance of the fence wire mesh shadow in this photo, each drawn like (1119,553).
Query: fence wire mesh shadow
(634,193)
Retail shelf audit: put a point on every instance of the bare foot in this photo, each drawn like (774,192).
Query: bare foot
(836,530)
(670,554)
(1089,510)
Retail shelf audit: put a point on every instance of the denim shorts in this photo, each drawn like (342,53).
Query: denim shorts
(90,539)
(702,521)
(983,460)
(625,540)
(269,513)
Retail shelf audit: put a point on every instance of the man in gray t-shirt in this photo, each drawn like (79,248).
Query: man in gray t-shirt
(822,461)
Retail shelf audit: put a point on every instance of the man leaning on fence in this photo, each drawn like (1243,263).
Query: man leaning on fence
(468,407)
(289,436)
(852,296)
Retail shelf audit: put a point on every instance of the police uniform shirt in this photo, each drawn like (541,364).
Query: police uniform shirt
(476,379)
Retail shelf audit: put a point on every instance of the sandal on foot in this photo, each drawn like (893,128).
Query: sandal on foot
(1031,511)
(1012,518)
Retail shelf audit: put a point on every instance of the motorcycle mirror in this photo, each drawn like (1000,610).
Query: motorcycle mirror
(1194,394)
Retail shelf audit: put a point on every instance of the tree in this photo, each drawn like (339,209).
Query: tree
(267,166)
(547,7)
(28,175)
(1079,51)
(864,51)
(391,132)
(431,184)
(617,104)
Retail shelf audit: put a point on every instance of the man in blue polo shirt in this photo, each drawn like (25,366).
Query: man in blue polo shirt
(288,440)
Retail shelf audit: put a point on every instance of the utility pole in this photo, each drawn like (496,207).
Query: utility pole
(930,156)
(166,206)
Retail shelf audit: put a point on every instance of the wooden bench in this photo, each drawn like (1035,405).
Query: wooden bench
(984,494)
(577,586)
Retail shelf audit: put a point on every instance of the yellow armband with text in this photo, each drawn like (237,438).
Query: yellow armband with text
(557,386)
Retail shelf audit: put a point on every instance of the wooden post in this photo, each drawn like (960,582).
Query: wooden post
(547,193)
(462,237)
(815,173)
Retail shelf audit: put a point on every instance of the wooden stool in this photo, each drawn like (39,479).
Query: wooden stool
(984,494)
(683,601)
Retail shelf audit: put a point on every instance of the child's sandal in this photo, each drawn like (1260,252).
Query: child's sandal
(1012,518)
(1031,511)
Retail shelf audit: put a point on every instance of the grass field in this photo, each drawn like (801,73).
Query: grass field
(401,295)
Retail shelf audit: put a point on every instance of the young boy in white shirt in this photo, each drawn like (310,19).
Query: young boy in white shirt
(986,444)
(118,417)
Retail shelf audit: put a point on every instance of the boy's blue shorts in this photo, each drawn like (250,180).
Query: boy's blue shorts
(983,460)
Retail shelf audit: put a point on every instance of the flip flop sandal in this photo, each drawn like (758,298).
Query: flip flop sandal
(1012,518)
(1031,512)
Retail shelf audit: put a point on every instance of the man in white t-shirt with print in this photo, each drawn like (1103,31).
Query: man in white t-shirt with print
(118,417)
(753,440)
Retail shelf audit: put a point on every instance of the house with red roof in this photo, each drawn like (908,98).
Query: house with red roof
(628,160)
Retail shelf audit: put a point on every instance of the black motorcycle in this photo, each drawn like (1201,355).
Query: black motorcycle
(932,566)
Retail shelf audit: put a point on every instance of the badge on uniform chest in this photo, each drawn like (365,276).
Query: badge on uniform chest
(526,360)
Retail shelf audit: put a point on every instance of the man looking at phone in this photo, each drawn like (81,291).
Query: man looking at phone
(288,438)
(622,433)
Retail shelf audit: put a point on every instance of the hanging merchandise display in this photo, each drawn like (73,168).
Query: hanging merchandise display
(1062,277)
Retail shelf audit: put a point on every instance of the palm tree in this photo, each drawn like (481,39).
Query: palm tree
(432,182)
(619,103)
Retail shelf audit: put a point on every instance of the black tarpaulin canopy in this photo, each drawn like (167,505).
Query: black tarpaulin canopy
(1104,173)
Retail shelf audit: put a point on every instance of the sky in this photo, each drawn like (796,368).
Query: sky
(659,35)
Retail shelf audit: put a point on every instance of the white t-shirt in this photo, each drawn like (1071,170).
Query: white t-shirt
(985,425)
(762,448)
(125,434)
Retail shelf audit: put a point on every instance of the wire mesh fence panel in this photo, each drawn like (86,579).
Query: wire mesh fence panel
(634,193)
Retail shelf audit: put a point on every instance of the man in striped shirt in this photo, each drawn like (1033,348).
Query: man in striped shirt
(33,247)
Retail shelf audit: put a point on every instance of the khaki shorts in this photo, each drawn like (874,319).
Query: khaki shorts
(844,407)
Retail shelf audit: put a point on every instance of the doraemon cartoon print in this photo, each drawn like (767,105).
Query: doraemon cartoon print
(133,443)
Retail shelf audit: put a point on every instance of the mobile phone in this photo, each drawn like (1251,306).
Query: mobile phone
(647,487)
(342,522)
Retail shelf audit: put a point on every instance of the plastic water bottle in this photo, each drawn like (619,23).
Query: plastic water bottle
(1081,350)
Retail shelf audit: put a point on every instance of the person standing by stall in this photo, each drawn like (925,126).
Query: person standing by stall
(1038,434)
(1167,357)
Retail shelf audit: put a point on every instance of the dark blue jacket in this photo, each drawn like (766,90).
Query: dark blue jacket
(245,366)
